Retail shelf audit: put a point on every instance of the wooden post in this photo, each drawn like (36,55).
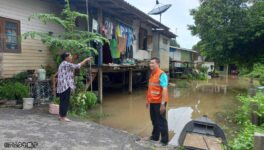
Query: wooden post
(100,84)
(258,141)
(130,85)
(123,78)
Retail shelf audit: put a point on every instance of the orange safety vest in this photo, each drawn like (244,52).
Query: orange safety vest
(154,93)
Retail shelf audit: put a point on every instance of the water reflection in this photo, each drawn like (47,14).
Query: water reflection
(176,93)
(177,118)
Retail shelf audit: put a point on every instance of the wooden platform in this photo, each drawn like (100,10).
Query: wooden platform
(202,142)
(106,68)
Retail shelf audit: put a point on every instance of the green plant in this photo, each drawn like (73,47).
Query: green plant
(246,108)
(56,100)
(80,81)
(13,91)
(258,72)
(244,139)
(181,148)
(72,40)
(21,77)
(203,69)
(82,102)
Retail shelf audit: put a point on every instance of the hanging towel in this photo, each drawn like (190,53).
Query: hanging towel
(121,44)
(113,47)
(118,31)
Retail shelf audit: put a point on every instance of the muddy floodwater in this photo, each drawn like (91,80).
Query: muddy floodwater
(188,100)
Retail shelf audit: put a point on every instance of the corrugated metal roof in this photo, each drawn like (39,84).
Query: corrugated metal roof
(128,9)
(173,49)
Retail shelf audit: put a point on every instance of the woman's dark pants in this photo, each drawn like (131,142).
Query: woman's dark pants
(64,102)
(159,122)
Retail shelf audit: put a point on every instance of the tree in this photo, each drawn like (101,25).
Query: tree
(231,31)
(72,40)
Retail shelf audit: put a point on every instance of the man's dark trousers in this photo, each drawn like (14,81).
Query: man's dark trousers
(159,122)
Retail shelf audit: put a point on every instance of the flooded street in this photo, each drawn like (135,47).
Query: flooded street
(198,98)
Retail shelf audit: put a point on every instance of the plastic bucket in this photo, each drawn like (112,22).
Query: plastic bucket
(41,74)
(28,103)
(54,109)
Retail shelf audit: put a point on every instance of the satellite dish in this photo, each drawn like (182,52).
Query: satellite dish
(159,9)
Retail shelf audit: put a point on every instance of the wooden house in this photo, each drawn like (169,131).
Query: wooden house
(183,55)
(18,54)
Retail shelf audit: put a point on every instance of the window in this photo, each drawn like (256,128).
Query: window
(9,36)
(143,39)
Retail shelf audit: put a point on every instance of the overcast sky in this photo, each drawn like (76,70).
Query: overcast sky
(177,17)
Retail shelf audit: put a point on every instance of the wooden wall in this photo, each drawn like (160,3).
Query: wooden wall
(33,52)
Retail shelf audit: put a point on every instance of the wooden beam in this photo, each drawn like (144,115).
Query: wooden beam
(100,84)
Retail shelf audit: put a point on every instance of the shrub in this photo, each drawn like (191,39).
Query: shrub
(203,69)
(56,100)
(82,102)
(245,110)
(244,140)
(258,72)
(20,77)
(14,91)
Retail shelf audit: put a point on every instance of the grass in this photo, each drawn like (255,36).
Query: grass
(91,116)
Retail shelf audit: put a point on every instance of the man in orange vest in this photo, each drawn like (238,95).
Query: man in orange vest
(157,99)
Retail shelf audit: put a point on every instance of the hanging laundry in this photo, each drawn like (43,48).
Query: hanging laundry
(109,28)
(129,52)
(123,30)
(103,30)
(106,54)
(118,31)
(95,26)
(121,44)
(130,38)
(114,51)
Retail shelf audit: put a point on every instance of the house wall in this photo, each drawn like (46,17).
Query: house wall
(161,50)
(186,56)
(33,52)
(176,56)
(164,53)
(138,53)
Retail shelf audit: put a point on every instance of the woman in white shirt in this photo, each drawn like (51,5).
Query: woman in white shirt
(66,82)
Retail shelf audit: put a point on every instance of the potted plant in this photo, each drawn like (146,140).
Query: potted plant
(54,106)
(16,93)
(22,93)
